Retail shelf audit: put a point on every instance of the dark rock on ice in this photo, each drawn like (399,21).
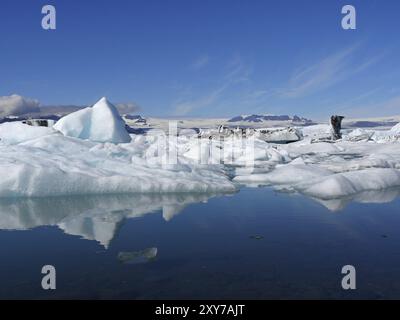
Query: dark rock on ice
(336,123)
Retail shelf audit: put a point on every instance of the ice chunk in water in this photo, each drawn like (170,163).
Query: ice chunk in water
(100,123)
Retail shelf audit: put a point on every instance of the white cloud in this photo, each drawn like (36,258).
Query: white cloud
(128,107)
(386,107)
(17,105)
(200,62)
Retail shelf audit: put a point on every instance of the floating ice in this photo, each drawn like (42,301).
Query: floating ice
(17,132)
(280,135)
(396,129)
(136,257)
(41,162)
(101,123)
(55,165)
(359,135)
(349,183)
(286,175)
(317,131)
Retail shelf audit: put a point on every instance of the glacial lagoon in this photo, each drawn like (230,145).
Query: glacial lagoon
(256,243)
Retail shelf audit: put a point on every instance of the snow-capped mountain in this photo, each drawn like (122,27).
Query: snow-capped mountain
(262,118)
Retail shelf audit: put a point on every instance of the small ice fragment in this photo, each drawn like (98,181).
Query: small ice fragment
(136,257)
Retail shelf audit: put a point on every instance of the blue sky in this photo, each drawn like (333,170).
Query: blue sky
(206,58)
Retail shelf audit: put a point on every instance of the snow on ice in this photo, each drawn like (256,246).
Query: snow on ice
(101,123)
(90,152)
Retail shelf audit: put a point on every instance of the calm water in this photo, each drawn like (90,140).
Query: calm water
(253,244)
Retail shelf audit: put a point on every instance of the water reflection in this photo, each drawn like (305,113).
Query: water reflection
(377,196)
(90,217)
(255,244)
(99,217)
(339,204)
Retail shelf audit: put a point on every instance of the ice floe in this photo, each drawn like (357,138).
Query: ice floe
(56,165)
(90,152)
(395,129)
(17,132)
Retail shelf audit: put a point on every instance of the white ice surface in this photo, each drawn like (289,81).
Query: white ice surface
(54,165)
(349,183)
(42,162)
(396,129)
(101,123)
(279,134)
(17,132)
(317,131)
(350,166)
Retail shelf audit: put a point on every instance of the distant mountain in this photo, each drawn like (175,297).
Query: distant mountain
(261,118)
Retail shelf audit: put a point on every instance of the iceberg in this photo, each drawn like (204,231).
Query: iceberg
(359,135)
(317,131)
(17,132)
(396,129)
(280,135)
(350,183)
(286,174)
(100,123)
(55,165)
(89,152)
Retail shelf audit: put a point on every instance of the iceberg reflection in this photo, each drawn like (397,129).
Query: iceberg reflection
(373,196)
(90,217)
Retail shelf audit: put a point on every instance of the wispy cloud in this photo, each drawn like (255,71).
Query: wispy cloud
(200,62)
(235,72)
(325,73)
(391,105)
(237,90)
(185,107)
(385,107)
